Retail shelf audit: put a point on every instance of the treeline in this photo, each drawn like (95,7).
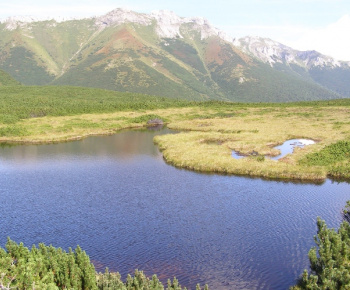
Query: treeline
(330,259)
(47,267)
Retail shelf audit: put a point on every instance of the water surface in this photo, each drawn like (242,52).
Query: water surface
(288,147)
(117,198)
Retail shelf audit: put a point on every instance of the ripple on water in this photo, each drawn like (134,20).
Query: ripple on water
(117,199)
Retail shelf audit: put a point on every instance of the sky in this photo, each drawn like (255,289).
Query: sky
(321,25)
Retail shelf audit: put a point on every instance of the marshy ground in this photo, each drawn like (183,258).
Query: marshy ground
(209,132)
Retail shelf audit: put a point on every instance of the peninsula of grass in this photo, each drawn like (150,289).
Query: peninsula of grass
(206,143)
(209,130)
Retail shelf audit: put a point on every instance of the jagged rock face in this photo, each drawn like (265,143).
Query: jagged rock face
(120,16)
(168,24)
(272,52)
(20,21)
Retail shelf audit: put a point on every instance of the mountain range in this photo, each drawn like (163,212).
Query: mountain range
(164,54)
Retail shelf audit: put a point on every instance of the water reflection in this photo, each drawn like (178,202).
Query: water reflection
(288,147)
(118,199)
(125,144)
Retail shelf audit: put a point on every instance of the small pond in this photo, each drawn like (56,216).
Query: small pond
(117,198)
(286,148)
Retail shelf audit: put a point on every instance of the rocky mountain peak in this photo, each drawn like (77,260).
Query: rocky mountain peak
(120,16)
(14,22)
(168,23)
(272,52)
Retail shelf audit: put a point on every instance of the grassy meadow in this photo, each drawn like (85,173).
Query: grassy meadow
(206,144)
(209,131)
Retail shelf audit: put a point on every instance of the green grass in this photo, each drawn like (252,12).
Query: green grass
(7,80)
(336,157)
(31,102)
(329,155)
(13,131)
(145,118)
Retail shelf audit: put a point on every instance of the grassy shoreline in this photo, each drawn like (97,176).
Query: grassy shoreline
(206,144)
(209,130)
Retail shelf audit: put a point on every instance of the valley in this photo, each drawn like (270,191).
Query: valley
(204,196)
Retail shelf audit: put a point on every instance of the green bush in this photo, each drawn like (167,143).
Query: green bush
(145,118)
(330,259)
(52,268)
(329,155)
(45,267)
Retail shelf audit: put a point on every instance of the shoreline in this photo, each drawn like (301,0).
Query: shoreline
(205,142)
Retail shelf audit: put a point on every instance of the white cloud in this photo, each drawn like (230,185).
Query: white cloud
(332,40)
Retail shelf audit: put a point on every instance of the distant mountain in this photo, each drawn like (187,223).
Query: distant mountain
(311,65)
(7,80)
(162,54)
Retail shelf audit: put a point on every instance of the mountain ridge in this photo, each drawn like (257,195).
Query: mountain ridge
(162,54)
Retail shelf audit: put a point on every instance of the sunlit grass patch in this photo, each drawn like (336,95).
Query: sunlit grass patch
(13,130)
(198,151)
(63,128)
(209,142)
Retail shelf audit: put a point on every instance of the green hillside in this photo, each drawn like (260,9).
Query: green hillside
(22,66)
(193,70)
(336,79)
(7,80)
(131,57)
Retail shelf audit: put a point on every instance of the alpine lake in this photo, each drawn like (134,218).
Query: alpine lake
(117,198)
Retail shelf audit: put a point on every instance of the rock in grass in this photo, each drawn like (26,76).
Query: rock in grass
(155,122)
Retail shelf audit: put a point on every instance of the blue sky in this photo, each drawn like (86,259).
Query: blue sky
(323,25)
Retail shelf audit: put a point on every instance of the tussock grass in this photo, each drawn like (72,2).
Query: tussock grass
(207,144)
(193,151)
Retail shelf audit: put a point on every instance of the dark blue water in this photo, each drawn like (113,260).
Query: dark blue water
(118,199)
